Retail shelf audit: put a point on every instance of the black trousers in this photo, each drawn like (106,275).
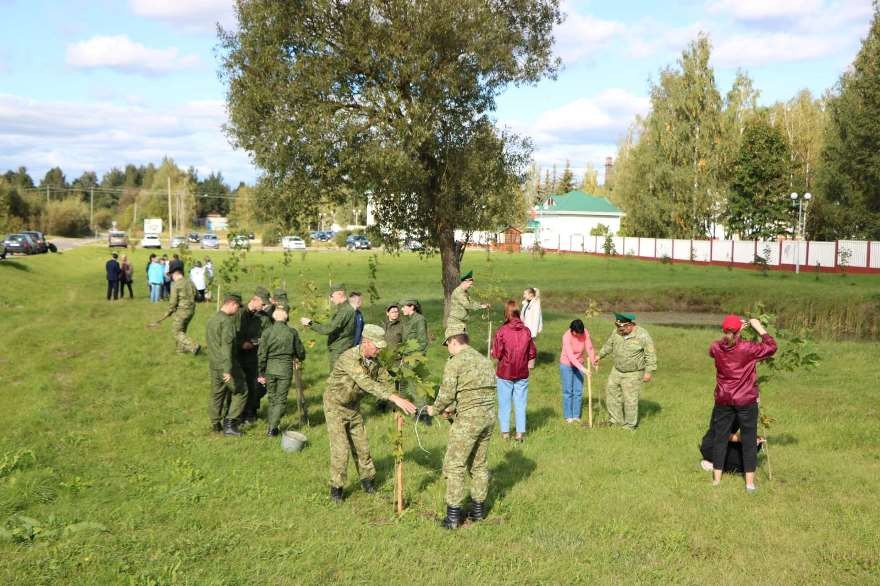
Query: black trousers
(122,286)
(723,418)
(112,289)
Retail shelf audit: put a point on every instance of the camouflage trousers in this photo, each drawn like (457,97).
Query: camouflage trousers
(622,397)
(468,453)
(178,328)
(227,400)
(346,433)
(276,388)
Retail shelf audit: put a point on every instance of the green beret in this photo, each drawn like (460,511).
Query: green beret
(468,276)
(624,318)
(263,294)
(453,330)
(232,296)
(337,287)
(374,334)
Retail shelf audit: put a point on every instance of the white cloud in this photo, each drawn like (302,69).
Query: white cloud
(122,54)
(194,15)
(600,119)
(99,135)
(582,36)
(758,49)
(765,10)
(649,39)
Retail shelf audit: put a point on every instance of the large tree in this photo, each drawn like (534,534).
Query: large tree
(387,99)
(848,205)
(758,206)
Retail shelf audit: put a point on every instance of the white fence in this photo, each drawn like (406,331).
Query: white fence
(858,255)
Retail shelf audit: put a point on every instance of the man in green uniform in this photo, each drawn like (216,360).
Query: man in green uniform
(265,313)
(228,393)
(635,361)
(415,326)
(356,373)
(249,332)
(340,330)
(279,297)
(460,304)
(468,390)
(393,326)
(182,305)
(280,349)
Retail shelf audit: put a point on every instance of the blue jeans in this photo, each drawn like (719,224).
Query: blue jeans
(155,292)
(519,391)
(572,391)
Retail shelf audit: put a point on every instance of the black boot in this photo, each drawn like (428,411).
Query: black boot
(273,431)
(368,486)
(478,511)
(217,427)
(336,494)
(453,518)
(230,427)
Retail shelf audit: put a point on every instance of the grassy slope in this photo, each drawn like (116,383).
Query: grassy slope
(118,425)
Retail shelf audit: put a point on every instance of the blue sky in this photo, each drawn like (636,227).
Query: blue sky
(91,84)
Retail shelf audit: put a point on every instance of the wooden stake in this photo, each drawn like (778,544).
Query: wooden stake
(301,398)
(590,397)
(767,453)
(218,296)
(398,474)
(489,341)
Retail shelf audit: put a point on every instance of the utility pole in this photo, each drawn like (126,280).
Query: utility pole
(170,218)
(92,211)
(134,218)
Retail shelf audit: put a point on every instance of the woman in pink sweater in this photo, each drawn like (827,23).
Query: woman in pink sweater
(575,343)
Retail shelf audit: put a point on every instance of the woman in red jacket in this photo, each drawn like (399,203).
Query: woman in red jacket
(515,351)
(736,393)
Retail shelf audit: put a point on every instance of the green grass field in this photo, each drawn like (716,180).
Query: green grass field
(108,473)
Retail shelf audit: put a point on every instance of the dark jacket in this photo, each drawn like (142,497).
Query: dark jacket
(358,326)
(735,382)
(513,348)
(113,270)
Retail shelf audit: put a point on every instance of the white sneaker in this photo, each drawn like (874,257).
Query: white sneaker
(706,465)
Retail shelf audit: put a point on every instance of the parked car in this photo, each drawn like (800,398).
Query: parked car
(412,244)
(151,241)
(293,243)
(19,244)
(117,238)
(210,241)
(177,241)
(39,240)
(240,241)
(357,242)
(193,237)
(2,251)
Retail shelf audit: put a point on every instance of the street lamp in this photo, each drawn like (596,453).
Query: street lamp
(802,203)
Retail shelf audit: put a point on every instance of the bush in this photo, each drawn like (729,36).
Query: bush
(271,237)
(68,217)
(341,237)
(103,219)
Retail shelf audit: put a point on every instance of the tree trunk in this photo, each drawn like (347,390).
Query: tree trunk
(450,262)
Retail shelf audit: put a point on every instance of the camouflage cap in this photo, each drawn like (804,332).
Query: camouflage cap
(392,306)
(232,296)
(374,334)
(453,330)
(263,294)
(337,287)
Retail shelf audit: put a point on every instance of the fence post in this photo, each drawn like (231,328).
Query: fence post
(868,256)
(807,261)
(639,246)
(691,256)
(836,252)
(732,250)
(711,248)
(655,249)
(756,251)
(623,246)
(780,254)
(672,255)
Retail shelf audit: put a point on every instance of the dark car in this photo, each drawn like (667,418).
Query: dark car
(357,242)
(19,244)
(39,240)
(193,237)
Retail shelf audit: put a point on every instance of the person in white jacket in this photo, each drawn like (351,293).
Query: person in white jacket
(531,311)
(197,276)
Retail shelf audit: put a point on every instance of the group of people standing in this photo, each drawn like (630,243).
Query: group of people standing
(120,274)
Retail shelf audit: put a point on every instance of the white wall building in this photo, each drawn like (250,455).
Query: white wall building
(575,214)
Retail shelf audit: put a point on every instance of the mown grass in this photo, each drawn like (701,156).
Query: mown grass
(104,424)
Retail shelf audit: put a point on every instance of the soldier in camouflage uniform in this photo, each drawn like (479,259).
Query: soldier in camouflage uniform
(393,326)
(460,304)
(356,373)
(182,305)
(228,392)
(635,361)
(280,349)
(415,327)
(340,330)
(249,332)
(468,390)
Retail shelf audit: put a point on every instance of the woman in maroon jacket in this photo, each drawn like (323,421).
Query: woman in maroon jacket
(736,393)
(515,351)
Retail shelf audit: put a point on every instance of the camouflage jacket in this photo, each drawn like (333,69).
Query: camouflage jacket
(279,346)
(182,299)
(632,353)
(353,376)
(393,332)
(468,384)
(460,305)
(340,330)
(221,337)
(416,328)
